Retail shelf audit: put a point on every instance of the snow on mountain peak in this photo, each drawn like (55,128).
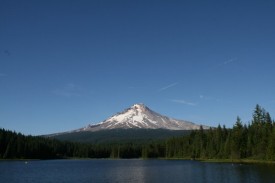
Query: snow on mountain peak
(140,116)
(140,107)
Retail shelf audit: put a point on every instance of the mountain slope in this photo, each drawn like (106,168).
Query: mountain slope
(121,136)
(141,117)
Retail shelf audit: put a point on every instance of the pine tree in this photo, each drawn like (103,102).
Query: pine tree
(271,145)
(237,139)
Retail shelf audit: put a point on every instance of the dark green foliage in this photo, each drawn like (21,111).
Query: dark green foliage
(17,146)
(252,141)
(137,136)
(255,141)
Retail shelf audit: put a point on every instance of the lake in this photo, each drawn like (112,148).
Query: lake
(133,171)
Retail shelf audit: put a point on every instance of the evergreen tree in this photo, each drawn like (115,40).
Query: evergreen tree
(271,145)
(237,139)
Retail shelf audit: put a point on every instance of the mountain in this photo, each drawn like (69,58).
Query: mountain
(139,116)
(137,124)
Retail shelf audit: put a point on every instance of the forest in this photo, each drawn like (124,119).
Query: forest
(255,140)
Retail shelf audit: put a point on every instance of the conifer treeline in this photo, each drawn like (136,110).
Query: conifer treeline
(255,140)
(17,146)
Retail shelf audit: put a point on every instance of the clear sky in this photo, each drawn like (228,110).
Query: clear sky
(65,64)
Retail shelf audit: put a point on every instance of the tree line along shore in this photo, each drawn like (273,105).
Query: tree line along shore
(252,142)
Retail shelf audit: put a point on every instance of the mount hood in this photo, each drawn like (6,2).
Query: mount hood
(141,117)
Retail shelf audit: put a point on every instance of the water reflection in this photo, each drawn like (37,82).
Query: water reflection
(141,171)
(126,171)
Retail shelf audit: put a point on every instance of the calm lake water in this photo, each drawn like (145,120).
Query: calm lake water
(112,171)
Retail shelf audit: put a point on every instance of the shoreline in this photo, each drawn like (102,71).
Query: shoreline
(241,161)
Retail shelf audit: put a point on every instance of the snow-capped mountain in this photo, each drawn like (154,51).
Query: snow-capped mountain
(140,116)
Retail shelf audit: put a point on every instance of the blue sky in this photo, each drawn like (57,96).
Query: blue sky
(66,64)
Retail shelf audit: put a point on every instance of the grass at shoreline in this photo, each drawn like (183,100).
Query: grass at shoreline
(244,161)
(236,161)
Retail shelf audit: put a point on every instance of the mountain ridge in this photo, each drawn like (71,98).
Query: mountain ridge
(142,117)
